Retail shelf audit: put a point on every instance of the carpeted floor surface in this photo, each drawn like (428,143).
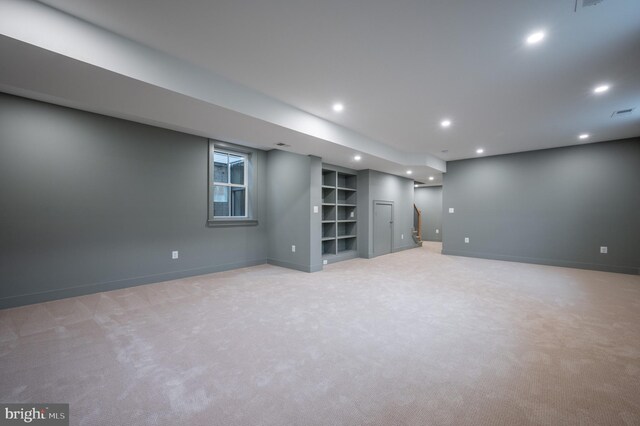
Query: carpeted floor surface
(412,338)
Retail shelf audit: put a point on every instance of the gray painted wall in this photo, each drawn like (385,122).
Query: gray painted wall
(429,200)
(555,206)
(385,187)
(91,203)
(362,211)
(289,210)
(315,229)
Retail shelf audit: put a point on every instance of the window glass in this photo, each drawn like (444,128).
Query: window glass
(238,200)
(221,167)
(236,167)
(220,200)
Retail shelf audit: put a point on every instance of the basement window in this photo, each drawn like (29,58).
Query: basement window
(231,185)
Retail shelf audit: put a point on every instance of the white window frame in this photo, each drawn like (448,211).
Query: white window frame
(250,184)
(245,186)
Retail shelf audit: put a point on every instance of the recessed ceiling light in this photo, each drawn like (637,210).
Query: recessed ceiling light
(409,172)
(479,151)
(431,178)
(415,186)
(338,107)
(536,37)
(357,158)
(584,136)
(601,89)
(445,123)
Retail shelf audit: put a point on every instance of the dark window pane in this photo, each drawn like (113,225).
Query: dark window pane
(236,164)
(220,167)
(238,207)
(221,202)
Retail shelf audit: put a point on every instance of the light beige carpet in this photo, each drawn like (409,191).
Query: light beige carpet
(412,338)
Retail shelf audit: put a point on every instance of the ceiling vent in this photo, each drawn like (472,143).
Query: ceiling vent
(622,113)
(586,3)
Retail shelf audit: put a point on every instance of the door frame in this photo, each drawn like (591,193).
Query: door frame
(373,229)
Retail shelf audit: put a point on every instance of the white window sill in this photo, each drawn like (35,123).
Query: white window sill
(232,222)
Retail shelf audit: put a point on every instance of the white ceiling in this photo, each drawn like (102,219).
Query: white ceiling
(400,67)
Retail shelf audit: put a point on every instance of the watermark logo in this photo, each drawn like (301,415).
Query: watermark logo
(34,414)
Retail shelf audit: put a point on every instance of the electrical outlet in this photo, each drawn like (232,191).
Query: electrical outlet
(466,240)
(353,214)
(293,249)
(437,231)
(402,236)
(451,210)
(315,209)
(604,250)
(325,261)
(174,255)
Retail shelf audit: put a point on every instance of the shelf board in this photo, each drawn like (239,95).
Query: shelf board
(328,204)
(328,186)
(341,255)
(346,205)
(329,221)
(340,237)
(343,188)
(347,220)
(343,252)
(328,238)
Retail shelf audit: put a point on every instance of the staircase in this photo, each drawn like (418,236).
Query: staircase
(416,232)
(416,238)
